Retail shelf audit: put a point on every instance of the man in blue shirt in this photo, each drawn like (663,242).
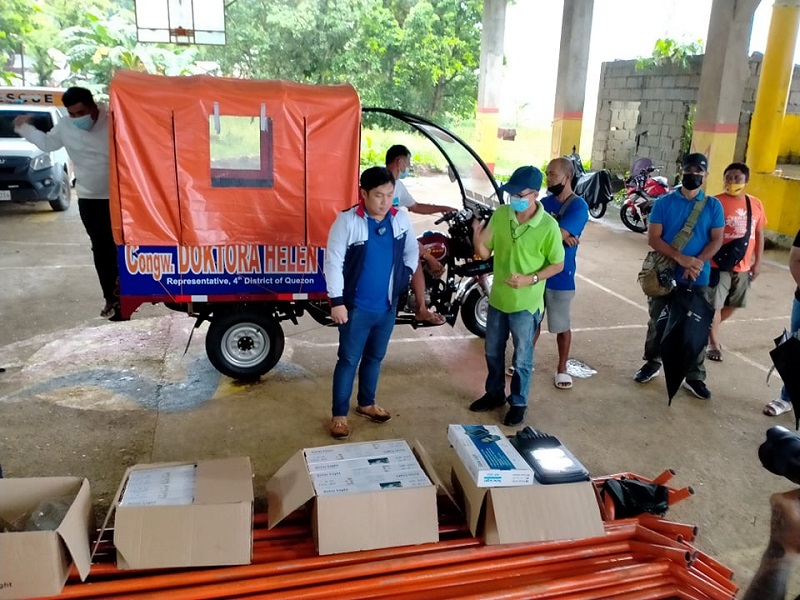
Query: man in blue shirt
(572,213)
(668,216)
(369,259)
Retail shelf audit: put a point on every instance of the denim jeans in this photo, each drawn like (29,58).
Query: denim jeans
(363,339)
(522,326)
(795,326)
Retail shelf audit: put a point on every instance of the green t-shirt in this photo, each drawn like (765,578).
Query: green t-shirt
(524,249)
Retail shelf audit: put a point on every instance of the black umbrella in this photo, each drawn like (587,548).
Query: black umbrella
(786,358)
(685,323)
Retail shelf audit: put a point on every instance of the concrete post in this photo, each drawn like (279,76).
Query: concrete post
(490,78)
(573,61)
(773,87)
(722,80)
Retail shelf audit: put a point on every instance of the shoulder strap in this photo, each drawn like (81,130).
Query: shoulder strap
(685,234)
(563,210)
(749,218)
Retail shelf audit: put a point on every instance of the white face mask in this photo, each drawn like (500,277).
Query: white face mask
(84,123)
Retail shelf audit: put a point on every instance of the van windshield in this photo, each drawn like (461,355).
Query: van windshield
(42,121)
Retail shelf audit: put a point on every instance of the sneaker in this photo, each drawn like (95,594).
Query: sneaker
(486,402)
(649,370)
(515,415)
(698,388)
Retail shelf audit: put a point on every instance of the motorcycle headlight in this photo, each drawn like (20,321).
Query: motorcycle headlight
(42,161)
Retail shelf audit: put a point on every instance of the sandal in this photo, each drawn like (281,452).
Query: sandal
(374,413)
(429,319)
(714,354)
(777,407)
(109,309)
(339,428)
(562,381)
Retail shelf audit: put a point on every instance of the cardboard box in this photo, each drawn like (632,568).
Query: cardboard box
(531,513)
(37,563)
(357,520)
(488,456)
(185,515)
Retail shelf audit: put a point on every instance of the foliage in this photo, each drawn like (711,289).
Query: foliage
(17,20)
(688,131)
(667,51)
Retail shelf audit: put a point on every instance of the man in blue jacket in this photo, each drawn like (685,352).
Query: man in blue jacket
(371,254)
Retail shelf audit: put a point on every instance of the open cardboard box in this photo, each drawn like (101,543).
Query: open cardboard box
(360,520)
(530,513)
(215,528)
(37,563)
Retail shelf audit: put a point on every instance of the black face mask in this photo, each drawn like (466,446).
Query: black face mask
(556,189)
(692,181)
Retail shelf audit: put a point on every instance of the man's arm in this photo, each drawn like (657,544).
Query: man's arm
(755,268)
(334,269)
(794,264)
(692,265)
(481,234)
(422,208)
(769,582)
(46,142)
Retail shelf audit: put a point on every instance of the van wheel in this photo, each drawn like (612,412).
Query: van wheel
(474,311)
(244,344)
(64,194)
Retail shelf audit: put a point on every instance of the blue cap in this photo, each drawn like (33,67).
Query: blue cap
(524,178)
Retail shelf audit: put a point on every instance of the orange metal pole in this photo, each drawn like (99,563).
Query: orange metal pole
(694,579)
(669,528)
(664,477)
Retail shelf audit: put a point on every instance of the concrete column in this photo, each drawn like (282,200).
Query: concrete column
(722,80)
(573,61)
(490,79)
(773,87)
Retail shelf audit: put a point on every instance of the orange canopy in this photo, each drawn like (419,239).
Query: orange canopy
(202,160)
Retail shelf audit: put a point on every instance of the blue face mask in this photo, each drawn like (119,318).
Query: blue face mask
(404,174)
(519,204)
(85,122)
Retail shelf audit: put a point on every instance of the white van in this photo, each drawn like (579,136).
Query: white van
(26,173)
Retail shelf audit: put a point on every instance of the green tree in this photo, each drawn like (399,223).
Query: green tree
(667,51)
(17,20)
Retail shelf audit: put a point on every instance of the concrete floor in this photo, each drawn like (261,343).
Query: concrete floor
(83,396)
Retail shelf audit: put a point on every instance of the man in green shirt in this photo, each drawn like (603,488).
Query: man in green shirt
(526,242)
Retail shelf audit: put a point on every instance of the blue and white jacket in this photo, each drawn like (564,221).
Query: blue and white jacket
(344,256)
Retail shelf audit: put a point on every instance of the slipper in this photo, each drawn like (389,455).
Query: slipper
(777,407)
(339,428)
(562,381)
(432,320)
(714,354)
(374,413)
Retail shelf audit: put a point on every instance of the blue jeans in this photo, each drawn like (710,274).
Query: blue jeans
(795,326)
(364,338)
(522,326)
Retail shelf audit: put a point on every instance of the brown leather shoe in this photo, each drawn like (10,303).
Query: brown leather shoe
(339,428)
(374,413)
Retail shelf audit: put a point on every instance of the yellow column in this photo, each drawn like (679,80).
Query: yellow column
(566,133)
(773,87)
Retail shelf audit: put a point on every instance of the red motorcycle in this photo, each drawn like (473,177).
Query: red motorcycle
(642,190)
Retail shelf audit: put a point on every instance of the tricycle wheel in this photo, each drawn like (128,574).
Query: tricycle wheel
(244,344)
(474,311)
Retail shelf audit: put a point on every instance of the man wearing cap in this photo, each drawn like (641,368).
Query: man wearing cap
(669,214)
(527,247)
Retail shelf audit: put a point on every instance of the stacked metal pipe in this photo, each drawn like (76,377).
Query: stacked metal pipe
(641,558)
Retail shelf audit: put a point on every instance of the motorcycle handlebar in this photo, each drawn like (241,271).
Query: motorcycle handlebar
(445,217)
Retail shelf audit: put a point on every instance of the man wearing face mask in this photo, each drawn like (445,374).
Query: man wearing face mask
(528,250)
(398,161)
(730,291)
(85,137)
(670,213)
(572,213)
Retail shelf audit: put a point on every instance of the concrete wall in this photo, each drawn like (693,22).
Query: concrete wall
(642,113)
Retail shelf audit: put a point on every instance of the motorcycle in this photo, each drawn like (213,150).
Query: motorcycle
(594,187)
(642,190)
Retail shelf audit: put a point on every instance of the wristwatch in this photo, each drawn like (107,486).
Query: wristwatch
(534,279)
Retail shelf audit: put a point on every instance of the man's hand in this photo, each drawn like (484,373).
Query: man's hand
(571,241)
(434,267)
(785,524)
(692,266)
(518,280)
(22,120)
(339,314)
(755,270)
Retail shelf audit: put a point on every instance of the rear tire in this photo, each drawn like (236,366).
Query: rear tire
(631,220)
(61,203)
(474,311)
(598,210)
(244,344)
